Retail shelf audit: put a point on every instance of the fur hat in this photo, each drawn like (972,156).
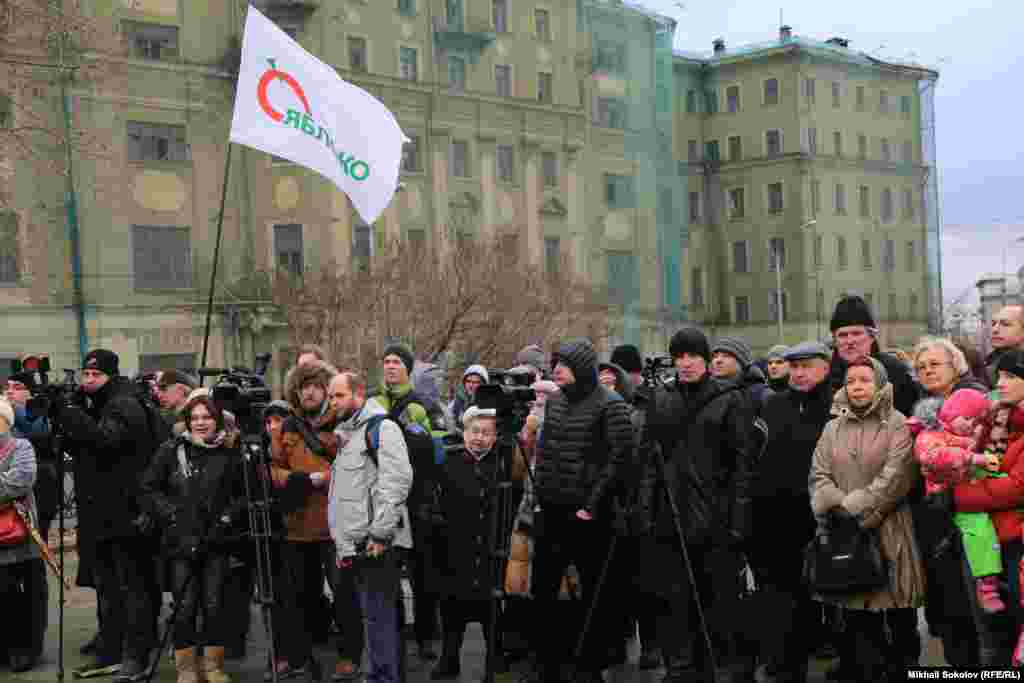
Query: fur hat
(628,357)
(103,360)
(318,372)
(737,348)
(964,403)
(478,370)
(474,412)
(851,310)
(6,415)
(169,378)
(690,340)
(403,352)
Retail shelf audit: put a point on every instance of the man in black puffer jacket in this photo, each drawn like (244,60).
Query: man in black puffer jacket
(586,440)
(703,427)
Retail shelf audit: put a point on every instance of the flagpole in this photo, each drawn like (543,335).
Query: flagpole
(216,257)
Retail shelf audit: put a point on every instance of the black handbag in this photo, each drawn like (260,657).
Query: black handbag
(845,559)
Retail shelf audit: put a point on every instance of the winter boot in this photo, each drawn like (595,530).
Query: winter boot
(988,594)
(213,665)
(448,667)
(1018,651)
(185,663)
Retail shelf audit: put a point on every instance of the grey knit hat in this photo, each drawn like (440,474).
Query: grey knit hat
(737,348)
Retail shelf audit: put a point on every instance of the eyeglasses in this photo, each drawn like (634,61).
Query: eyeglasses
(931,366)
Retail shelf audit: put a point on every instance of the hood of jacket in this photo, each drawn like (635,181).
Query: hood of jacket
(623,383)
(300,375)
(881,405)
(579,356)
(370,409)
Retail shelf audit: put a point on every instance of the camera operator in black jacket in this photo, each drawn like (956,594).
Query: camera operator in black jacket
(194,489)
(110,437)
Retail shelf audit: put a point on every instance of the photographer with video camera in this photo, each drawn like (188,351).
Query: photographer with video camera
(112,436)
(194,490)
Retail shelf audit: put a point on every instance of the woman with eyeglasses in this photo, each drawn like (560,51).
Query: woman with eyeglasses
(941,368)
(194,488)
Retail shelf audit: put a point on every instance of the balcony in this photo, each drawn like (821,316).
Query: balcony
(458,36)
(290,15)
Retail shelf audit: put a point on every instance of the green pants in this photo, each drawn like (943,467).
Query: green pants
(980,542)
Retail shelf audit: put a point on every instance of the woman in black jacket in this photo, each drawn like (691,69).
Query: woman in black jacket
(192,488)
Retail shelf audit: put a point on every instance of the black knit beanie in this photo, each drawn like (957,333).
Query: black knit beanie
(1012,362)
(103,360)
(690,340)
(851,310)
(628,358)
(402,352)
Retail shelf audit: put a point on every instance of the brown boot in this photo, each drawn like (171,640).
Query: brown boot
(213,665)
(185,663)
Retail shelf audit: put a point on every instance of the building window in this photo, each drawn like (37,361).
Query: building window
(610,57)
(611,113)
(860,98)
(842,258)
(773,143)
(6,111)
(741,256)
(695,207)
(911,256)
(773,305)
(9,252)
(732,99)
(542,24)
(362,244)
(696,288)
(893,313)
(741,309)
(711,152)
(836,95)
(691,151)
(161,257)
(908,152)
(460,158)
(506,163)
(886,150)
(454,15)
(819,250)
(865,254)
(288,248)
(552,255)
(905,106)
(499,10)
(735,148)
(691,101)
(883,101)
(840,199)
(865,201)
(809,89)
(736,209)
(908,204)
(621,277)
(544,88)
(837,143)
(407,7)
(869,299)
(408,63)
(503,80)
(776,253)
(812,141)
(862,146)
(775,203)
(887,206)
(771,91)
(711,101)
(456,74)
(152,41)
(417,238)
(888,256)
(411,155)
(618,191)
(155,142)
(549,163)
(912,309)
(357,54)
(815,197)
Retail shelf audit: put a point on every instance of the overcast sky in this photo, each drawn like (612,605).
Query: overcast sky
(977,48)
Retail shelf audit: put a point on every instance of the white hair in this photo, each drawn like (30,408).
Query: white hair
(956,356)
(473,413)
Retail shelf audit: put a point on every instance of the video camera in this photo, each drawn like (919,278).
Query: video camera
(657,370)
(509,394)
(47,398)
(242,392)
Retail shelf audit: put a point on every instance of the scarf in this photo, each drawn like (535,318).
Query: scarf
(216,442)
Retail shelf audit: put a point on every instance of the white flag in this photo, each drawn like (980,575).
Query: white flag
(294,106)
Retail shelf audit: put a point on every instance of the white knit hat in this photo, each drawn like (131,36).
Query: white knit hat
(6,415)
(473,412)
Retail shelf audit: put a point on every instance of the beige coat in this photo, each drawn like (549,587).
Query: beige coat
(866,465)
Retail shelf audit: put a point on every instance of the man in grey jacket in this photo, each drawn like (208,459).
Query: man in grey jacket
(370,481)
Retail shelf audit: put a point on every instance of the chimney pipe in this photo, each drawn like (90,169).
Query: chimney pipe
(719,45)
(785,33)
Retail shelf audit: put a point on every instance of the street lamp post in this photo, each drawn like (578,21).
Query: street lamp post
(778,285)
(813,223)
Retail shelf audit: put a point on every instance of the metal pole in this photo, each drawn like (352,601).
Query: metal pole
(778,289)
(216,256)
(817,285)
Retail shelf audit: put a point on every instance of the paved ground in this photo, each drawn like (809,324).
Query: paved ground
(80,624)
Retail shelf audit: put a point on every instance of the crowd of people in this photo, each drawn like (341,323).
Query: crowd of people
(620,504)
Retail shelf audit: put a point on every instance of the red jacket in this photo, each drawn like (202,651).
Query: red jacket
(1000,496)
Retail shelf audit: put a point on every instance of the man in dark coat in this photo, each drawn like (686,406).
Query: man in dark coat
(112,442)
(783,523)
(702,427)
(586,440)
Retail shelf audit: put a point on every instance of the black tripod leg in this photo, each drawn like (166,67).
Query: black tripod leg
(169,624)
